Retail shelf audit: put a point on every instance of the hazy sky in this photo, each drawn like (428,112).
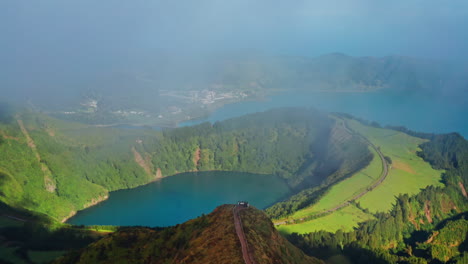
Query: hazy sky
(42,38)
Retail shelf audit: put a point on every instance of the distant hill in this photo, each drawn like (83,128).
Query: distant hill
(340,72)
(208,239)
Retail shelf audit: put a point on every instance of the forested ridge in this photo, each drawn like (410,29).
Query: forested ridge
(429,227)
(310,150)
(73,166)
(354,154)
(207,239)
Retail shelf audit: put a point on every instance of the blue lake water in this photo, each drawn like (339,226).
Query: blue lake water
(181,197)
(417,112)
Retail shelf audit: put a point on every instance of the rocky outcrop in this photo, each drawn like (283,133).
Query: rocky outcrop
(95,201)
(145,164)
(49,182)
(196,157)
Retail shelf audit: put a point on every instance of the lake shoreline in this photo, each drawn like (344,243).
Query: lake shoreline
(99,199)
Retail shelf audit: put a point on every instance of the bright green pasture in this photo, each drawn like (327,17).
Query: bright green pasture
(408,173)
(346,219)
(346,189)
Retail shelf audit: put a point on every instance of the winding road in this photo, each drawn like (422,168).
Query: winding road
(382,177)
(246,252)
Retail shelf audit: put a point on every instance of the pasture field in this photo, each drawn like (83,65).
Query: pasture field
(346,189)
(345,219)
(408,173)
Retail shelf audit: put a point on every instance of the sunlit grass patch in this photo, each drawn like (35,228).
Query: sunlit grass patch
(409,174)
(346,189)
(345,219)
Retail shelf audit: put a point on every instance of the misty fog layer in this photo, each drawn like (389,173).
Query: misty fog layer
(65,45)
(165,62)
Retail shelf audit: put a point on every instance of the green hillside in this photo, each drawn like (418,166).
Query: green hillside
(408,174)
(73,166)
(334,72)
(427,227)
(29,237)
(413,214)
(208,239)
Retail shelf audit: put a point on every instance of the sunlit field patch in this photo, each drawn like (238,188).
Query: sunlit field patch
(408,173)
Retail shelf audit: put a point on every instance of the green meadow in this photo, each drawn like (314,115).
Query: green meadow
(345,219)
(346,189)
(408,174)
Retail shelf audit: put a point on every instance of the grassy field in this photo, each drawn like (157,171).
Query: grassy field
(408,174)
(345,219)
(346,189)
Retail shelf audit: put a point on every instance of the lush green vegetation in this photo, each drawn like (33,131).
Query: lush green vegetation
(28,237)
(408,173)
(23,162)
(343,191)
(345,219)
(428,227)
(73,166)
(354,155)
(277,142)
(447,242)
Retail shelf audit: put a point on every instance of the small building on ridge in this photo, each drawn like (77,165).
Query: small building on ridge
(243,203)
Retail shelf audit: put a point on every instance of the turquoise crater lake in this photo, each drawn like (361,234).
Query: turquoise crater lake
(176,199)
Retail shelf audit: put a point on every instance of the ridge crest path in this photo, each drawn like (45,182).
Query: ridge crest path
(246,253)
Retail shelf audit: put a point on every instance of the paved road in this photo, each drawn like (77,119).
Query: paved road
(246,252)
(383,175)
(385,165)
